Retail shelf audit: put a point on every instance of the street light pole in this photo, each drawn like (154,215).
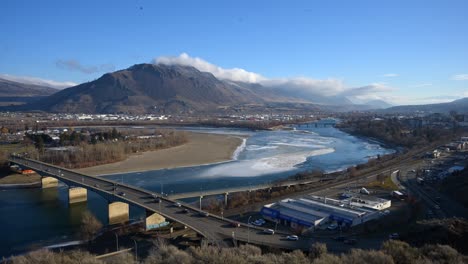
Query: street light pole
(136,250)
(117,241)
(248,230)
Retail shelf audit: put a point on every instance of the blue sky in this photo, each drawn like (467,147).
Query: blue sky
(412,51)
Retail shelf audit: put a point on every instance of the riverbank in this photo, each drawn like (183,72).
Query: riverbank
(201,148)
(17,181)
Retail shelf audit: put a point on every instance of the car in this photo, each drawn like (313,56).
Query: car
(261,220)
(157,200)
(386,212)
(292,237)
(394,236)
(332,227)
(257,223)
(350,241)
(339,238)
(96,185)
(178,205)
(205,214)
(437,207)
(235,224)
(269,231)
(185,211)
(121,193)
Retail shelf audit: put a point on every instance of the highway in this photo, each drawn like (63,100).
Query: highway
(214,228)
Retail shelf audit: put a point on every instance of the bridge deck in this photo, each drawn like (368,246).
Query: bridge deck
(213,227)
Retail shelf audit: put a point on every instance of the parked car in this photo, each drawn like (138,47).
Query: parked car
(235,224)
(185,211)
(121,193)
(394,236)
(96,185)
(178,205)
(269,231)
(292,237)
(332,227)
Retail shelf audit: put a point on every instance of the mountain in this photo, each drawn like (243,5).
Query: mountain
(145,88)
(377,104)
(460,106)
(12,92)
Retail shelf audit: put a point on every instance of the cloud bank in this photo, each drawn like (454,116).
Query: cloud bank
(305,87)
(74,65)
(235,74)
(37,81)
(460,77)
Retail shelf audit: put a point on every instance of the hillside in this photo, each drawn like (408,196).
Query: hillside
(12,93)
(460,106)
(146,88)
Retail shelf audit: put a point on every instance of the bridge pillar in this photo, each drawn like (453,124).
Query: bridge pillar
(154,220)
(226,198)
(48,182)
(118,213)
(77,195)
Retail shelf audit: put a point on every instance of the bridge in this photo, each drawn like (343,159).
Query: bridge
(214,228)
(326,122)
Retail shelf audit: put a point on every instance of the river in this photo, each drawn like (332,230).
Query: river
(32,218)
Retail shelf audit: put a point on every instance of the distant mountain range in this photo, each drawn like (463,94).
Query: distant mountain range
(460,106)
(14,93)
(160,88)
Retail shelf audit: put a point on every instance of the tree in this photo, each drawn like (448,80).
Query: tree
(317,250)
(40,144)
(90,225)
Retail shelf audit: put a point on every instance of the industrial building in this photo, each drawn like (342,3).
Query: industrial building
(312,211)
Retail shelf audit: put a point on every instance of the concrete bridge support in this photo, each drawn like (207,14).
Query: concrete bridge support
(49,182)
(77,195)
(154,220)
(118,213)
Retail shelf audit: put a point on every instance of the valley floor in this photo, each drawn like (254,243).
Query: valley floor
(201,149)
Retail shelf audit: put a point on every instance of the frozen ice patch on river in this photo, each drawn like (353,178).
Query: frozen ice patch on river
(256,167)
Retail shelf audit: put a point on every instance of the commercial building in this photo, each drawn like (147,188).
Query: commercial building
(312,211)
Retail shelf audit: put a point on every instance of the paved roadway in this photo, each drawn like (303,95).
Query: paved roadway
(214,228)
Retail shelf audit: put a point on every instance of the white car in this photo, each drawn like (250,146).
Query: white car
(292,238)
(177,204)
(269,231)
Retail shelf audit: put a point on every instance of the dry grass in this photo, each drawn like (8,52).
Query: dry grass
(386,184)
(20,178)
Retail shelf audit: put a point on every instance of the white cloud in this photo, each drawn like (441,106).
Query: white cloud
(37,81)
(390,75)
(460,77)
(307,88)
(234,74)
(327,87)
